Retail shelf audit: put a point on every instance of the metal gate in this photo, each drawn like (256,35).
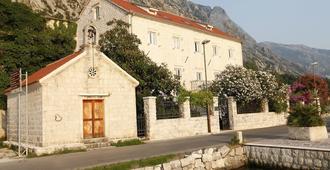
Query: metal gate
(141,125)
(224,113)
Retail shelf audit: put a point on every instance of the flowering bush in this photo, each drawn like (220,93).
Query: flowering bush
(248,85)
(319,88)
(239,82)
(299,93)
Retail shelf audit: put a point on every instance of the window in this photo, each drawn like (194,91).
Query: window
(199,76)
(215,52)
(178,73)
(97,13)
(152,38)
(176,43)
(231,53)
(197,46)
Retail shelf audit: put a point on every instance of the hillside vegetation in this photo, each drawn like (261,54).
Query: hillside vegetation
(26,42)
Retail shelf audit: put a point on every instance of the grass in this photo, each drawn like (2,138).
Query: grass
(138,163)
(58,152)
(121,143)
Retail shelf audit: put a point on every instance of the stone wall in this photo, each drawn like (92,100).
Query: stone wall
(3,124)
(210,158)
(254,120)
(180,127)
(282,157)
(31,127)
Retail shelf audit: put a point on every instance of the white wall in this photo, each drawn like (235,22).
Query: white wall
(63,95)
(185,57)
(180,127)
(35,124)
(108,12)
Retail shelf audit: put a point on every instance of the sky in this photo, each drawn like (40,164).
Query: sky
(283,21)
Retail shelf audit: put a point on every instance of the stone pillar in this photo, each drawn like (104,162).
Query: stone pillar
(232,111)
(150,115)
(264,105)
(3,124)
(185,108)
(215,124)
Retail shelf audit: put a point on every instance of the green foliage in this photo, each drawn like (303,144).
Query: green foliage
(123,48)
(137,163)
(26,42)
(278,106)
(305,116)
(247,85)
(131,142)
(234,141)
(201,98)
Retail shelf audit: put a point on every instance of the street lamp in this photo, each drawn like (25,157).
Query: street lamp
(206,87)
(313,65)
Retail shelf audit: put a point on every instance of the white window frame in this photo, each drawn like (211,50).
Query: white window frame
(176,42)
(215,50)
(231,53)
(197,46)
(97,12)
(178,72)
(199,76)
(152,38)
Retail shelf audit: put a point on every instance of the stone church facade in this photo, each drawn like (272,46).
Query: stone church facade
(77,98)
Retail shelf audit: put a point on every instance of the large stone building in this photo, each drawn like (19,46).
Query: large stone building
(82,96)
(166,38)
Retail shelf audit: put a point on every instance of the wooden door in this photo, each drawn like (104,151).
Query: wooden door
(93,112)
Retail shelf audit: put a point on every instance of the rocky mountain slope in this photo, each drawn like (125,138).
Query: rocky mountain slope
(303,55)
(254,54)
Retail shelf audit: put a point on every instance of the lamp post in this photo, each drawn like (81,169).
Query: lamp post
(313,65)
(206,86)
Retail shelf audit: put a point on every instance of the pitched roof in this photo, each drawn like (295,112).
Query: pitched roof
(165,16)
(36,76)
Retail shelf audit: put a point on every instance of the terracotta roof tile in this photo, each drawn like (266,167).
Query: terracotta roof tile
(165,16)
(36,76)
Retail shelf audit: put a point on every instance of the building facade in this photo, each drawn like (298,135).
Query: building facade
(167,39)
(80,97)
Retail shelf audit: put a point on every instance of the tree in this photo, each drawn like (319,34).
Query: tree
(26,42)
(123,48)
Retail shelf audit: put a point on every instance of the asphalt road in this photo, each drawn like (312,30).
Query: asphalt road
(111,155)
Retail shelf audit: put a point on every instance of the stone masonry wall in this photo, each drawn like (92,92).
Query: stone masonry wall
(34,125)
(3,124)
(176,128)
(254,120)
(295,158)
(210,158)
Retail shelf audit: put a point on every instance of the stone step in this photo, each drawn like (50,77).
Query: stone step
(95,140)
(90,146)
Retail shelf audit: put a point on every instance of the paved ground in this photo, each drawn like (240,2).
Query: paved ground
(111,155)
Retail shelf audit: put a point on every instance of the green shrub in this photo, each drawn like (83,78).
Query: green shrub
(121,143)
(278,106)
(305,116)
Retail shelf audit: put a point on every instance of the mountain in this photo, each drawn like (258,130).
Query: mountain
(303,55)
(254,55)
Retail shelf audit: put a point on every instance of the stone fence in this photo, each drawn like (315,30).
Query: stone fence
(3,124)
(288,157)
(210,158)
(254,120)
(180,127)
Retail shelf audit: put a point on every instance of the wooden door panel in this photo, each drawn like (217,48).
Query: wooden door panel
(88,110)
(88,129)
(93,118)
(98,110)
(98,128)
